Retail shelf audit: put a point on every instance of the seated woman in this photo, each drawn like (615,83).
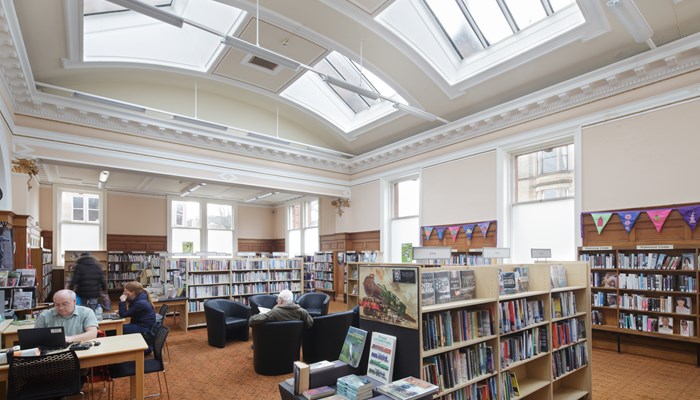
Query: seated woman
(136,303)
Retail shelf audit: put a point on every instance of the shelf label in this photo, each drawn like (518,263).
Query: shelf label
(496,252)
(655,247)
(475,250)
(596,248)
(541,253)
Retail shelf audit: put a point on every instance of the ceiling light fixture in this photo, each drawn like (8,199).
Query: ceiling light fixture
(631,18)
(347,86)
(262,196)
(199,122)
(192,188)
(150,11)
(419,113)
(261,52)
(109,102)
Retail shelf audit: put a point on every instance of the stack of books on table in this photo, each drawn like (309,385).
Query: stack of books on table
(354,387)
(408,388)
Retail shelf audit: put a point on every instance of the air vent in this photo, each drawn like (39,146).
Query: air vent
(263,63)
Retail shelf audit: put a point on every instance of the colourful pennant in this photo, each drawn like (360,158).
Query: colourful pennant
(440,231)
(428,231)
(469,230)
(601,219)
(690,215)
(484,227)
(658,217)
(628,219)
(454,231)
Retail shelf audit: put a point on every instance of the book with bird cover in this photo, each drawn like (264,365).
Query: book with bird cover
(353,346)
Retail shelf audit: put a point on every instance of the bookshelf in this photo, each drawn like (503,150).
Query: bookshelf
(324,272)
(499,335)
(207,278)
(352,284)
(125,266)
(309,280)
(637,280)
(42,261)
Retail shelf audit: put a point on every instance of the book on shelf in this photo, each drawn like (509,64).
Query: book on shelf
(514,383)
(665,325)
(353,346)
(442,287)
(22,300)
(611,299)
(427,285)
(301,377)
(321,365)
(687,328)
(558,276)
(455,286)
(467,286)
(683,305)
(408,388)
(27,277)
(610,280)
(556,307)
(13,278)
(319,392)
(688,263)
(522,278)
(509,285)
(381,357)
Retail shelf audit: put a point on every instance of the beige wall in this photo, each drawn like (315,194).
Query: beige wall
(136,215)
(364,212)
(46,208)
(459,191)
(256,222)
(644,160)
(5,165)
(25,201)
(326,215)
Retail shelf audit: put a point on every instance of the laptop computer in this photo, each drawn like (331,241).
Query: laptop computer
(50,338)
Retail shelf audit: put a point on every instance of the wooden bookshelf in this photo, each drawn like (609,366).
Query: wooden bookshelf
(42,261)
(464,251)
(72,256)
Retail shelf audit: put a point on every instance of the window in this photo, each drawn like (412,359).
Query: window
(302,233)
(404,225)
(79,224)
(545,174)
(189,234)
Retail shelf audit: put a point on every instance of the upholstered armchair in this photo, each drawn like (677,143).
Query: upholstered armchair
(276,346)
(225,319)
(261,300)
(316,303)
(324,340)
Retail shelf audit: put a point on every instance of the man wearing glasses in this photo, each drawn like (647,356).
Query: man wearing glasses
(78,322)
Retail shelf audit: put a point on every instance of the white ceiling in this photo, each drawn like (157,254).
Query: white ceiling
(602,61)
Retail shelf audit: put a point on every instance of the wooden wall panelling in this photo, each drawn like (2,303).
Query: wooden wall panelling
(146,243)
(261,245)
(364,241)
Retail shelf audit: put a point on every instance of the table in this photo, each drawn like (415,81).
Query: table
(113,349)
(9,334)
(180,303)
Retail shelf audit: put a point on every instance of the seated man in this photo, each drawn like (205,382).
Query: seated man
(78,322)
(285,310)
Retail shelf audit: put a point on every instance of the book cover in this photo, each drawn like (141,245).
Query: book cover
(442,287)
(406,252)
(319,392)
(27,277)
(683,305)
(522,279)
(408,388)
(558,276)
(556,307)
(514,383)
(353,346)
(455,286)
(13,278)
(509,285)
(687,328)
(666,325)
(427,286)
(688,262)
(468,290)
(3,278)
(301,377)
(611,299)
(610,280)
(22,300)
(381,357)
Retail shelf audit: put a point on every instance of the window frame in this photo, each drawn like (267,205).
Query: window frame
(203,222)
(303,204)
(59,220)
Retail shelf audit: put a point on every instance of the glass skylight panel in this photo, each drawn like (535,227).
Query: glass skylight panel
(526,12)
(91,7)
(455,26)
(490,19)
(560,4)
(340,67)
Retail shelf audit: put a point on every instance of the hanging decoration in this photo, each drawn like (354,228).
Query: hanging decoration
(428,231)
(340,203)
(26,166)
(484,227)
(690,214)
(440,232)
(601,219)
(628,219)
(658,217)
(469,230)
(454,231)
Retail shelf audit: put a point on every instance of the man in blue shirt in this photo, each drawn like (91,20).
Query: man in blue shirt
(78,322)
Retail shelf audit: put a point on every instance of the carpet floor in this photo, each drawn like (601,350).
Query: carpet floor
(198,371)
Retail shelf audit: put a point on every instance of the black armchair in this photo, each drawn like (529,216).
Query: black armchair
(316,303)
(225,319)
(262,300)
(324,340)
(276,346)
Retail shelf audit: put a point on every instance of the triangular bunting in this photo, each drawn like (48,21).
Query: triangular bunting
(600,220)
(484,227)
(454,231)
(658,217)
(440,232)
(690,215)
(428,231)
(628,219)
(469,230)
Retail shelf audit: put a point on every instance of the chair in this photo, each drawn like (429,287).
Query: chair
(324,340)
(46,376)
(225,319)
(262,300)
(276,346)
(155,364)
(316,303)
(163,312)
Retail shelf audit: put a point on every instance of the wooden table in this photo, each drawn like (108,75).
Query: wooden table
(180,303)
(113,349)
(9,334)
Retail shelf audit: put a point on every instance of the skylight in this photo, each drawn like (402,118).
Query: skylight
(92,7)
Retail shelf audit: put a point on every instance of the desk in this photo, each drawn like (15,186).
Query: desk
(114,349)
(9,334)
(176,302)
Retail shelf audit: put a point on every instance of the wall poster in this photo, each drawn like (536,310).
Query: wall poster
(389,294)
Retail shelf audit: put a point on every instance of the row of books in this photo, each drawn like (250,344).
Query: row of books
(523,345)
(512,282)
(681,305)
(518,314)
(208,291)
(456,367)
(563,304)
(604,280)
(606,261)
(569,359)
(441,287)
(666,283)
(685,261)
(19,277)
(202,279)
(509,385)
(448,327)
(252,276)
(568,332)
(660,324)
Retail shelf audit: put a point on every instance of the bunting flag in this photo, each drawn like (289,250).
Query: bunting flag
(628,219)
(469,230)
(428,231)
(440,231)
(690,215)
(454,231)
(601,219)
(658,217)
(484,226)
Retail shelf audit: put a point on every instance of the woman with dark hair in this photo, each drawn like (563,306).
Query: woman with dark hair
(136,303)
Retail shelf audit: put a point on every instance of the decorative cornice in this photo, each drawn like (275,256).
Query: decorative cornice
(655,65)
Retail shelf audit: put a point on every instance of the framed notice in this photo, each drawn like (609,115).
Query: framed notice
(389,294)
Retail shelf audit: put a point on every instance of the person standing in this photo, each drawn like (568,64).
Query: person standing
(78,322)
(88,281)
(136,303)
